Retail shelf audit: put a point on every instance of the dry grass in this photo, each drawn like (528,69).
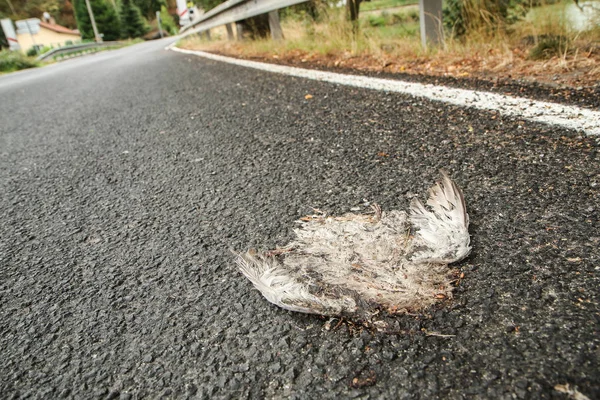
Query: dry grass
(563,57)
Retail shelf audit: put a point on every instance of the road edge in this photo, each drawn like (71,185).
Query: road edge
(556,114)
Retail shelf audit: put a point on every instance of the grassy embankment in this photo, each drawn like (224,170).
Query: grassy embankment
(543,46)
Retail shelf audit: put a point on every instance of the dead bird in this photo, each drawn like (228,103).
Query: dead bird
(355,264)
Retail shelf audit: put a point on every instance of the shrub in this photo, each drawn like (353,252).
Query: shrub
(414,15)
(167,21)
(15,60)
(461,16)
(377,20)
(400,18)
(32,52)
(46,49)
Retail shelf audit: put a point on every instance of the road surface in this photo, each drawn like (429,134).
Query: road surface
(127,177)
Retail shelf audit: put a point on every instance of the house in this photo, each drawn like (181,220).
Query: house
(35,33)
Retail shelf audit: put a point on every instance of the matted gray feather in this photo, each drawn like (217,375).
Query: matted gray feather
(354,264)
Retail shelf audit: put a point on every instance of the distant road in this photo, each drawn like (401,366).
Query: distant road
(127,176)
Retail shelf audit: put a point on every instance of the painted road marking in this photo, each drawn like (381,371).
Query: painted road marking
(567,116)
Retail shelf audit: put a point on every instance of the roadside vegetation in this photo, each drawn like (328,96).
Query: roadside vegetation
(385,4)
(115,19)
(490,39)
(11,61)
(14,60)
(126,21)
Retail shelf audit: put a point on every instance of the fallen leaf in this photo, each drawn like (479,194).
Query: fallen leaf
(360,382)
(572,392)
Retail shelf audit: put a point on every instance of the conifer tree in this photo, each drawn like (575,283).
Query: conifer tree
(132,22)
(106,18)
(148,8)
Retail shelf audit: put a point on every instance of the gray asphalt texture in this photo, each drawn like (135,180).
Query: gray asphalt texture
(126,178)
(585,96)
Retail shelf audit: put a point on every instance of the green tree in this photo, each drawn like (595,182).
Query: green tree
(61,10)
(149,7)
(132,22)
(106,18)
(168,23)
(352,10)
(66,15)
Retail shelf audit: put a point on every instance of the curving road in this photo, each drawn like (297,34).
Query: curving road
(127,176)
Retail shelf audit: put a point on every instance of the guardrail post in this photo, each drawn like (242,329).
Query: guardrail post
(239,30)
(207,33)
(275,26)
(432,31)
(229,31)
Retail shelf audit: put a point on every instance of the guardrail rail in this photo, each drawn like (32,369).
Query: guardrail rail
(73,48)
(233,11)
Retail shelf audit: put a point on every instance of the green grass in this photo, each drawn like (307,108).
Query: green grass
(403,21)
(383,4)
(395,31)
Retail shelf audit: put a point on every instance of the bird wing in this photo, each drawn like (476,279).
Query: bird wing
(279,287)
(338,266)
(442,234)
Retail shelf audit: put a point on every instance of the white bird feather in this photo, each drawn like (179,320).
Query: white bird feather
(354,264)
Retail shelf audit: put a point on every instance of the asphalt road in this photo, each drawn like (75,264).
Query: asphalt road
(127,176)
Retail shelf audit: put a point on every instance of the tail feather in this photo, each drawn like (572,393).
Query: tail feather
(442,234)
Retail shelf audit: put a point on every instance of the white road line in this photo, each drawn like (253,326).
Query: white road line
(572,117)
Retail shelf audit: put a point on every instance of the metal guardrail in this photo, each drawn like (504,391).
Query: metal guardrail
(236,10)
(430,12)
(75,47)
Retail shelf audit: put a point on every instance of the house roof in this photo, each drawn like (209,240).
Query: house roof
(58,28)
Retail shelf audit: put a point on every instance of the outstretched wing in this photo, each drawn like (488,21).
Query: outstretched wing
(442,234)
(280,288)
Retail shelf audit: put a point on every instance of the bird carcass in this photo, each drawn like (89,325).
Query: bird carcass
(355,264)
